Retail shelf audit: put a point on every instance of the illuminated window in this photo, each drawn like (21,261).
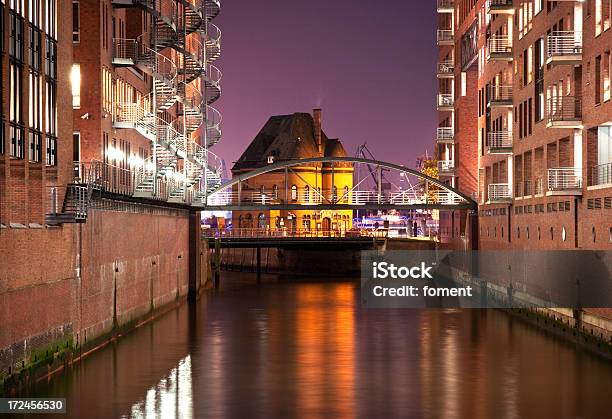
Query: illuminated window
(294,193)
(306,193)
(75,80)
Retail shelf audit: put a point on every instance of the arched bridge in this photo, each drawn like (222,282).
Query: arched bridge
(291,186)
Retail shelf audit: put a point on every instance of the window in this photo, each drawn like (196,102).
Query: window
(16,37)
(345,195)
(35,146)
(76,21)
(294,193)
(463,83)
(306,193)
(275,191)
(35,48)
(75,81)
(598,80)
(604,145)
(335,194)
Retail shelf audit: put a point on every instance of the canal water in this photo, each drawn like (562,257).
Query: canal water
(307,350)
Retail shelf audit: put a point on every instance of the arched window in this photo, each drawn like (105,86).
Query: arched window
(306,193)
(345,195)
(275,191)
(294,193)
(334,193)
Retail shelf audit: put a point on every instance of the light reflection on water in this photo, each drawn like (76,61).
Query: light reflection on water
(308,350)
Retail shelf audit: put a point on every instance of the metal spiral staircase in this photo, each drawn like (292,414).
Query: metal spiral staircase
(177,117)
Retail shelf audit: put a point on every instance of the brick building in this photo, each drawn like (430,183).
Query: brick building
(290,137)
(106,125)
(524,120)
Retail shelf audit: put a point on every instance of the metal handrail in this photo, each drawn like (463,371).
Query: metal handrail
(498,3)
(445,133)
(564,178)
(446,99)
(601,174)
(499,44)
(446,67)
(499,139)
(499,191)
(445,165)
(444,35)
(564,108)
(446,4)
(500,93)
(561,43)
(214,75)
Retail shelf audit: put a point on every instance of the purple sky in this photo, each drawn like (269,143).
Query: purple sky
(370,65)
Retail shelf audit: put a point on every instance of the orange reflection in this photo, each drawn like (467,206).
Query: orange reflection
(325,330)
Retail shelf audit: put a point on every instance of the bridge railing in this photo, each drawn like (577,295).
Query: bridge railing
(282,232)
(338,197)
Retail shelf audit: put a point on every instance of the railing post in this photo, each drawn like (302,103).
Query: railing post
(379,180)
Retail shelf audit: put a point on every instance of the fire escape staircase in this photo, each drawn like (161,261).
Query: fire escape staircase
(185,45)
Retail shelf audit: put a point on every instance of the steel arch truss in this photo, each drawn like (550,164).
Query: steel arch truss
(418,192)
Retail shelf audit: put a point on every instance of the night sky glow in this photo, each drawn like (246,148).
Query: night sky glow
(369,64)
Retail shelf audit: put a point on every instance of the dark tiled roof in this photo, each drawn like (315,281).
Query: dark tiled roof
(286,137)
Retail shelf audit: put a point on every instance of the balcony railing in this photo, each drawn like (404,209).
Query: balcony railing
(446,6)
(499,47)
(500,95)
(499,141)
(499,192)
(564,46)
(445,134)
(601,174)
(565,111)
(445,101)
(445,37)
(446,69)
(499,6)
(446,166)
(564,179)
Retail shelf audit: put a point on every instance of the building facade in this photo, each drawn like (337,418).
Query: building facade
(144,85)
(106,125)
(524,120)
(289,137)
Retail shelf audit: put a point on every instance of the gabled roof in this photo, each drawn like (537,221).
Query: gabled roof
(286,137)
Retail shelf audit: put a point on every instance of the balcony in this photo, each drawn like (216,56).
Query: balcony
(446,70)
(446,167)
(500,96)
(564,112)
(600,175)
(445,135)
(499,47)
(564,47)
(446,102)
(499,142)
(564,181)
(500,7)
(446,37)
(446,6)
(499,192)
